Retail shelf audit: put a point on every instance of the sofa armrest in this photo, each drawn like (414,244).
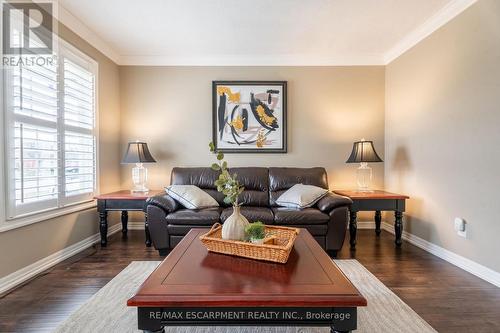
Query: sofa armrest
(157,209)
(163,201)
(331,201)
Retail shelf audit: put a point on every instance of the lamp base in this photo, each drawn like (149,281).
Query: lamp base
(364,190)
(139,178)
(139,190)
(364,177)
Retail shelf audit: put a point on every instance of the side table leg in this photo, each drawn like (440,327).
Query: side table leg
(146,230)
(103,228)
(124,222)
(378,221)
(398,227)
(353,227)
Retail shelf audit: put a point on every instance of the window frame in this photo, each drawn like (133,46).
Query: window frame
(65,205)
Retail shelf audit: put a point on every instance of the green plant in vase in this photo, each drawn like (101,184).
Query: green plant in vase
(256,232)
(234,226)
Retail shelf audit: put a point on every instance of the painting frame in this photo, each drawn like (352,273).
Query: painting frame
(215,125)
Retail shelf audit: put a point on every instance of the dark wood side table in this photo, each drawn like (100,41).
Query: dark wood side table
(375,201)
(123,201)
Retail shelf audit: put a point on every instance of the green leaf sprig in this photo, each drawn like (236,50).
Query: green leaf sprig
(226,183)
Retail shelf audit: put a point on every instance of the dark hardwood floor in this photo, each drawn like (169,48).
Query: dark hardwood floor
(448,298)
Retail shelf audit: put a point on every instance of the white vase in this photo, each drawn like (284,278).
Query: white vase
(234,226)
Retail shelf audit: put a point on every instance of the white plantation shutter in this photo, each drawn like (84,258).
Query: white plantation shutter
(35,92)
(79,163)
(34,139)
(51,133)
(79,139)
(35,165)
(78,96)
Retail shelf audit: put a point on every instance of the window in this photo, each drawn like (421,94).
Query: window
(50,122)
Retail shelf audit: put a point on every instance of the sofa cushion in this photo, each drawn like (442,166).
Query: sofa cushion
(253,178)
(205,216)
(291,216)
(202,177)
(253,214)
(281,179)
(256,182)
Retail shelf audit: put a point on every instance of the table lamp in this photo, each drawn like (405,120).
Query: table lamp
(138,153)
(363,152)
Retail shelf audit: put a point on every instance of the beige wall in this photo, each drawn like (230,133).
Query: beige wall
(24,246)
(442,133)
(328,108)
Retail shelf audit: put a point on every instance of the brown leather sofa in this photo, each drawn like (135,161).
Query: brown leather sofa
(169,221)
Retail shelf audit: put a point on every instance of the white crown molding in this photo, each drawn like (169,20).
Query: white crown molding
(468,265)
(254,60)
(24,274)
(443,16)
(78,27)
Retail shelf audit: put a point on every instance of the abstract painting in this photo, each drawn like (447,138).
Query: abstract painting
(249,116)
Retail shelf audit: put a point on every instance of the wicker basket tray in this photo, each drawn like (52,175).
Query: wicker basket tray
(283,239)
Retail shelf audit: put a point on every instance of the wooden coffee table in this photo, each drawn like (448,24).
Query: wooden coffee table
(193,287)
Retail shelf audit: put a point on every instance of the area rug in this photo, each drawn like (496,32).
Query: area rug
(106,311)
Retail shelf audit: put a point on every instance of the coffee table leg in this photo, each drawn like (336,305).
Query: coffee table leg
(124,222)
(353,227)
(103,227)
(378,221)
(398,227)
(335,331)
(146,230)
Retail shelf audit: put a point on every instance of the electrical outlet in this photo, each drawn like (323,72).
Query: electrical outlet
(460,227)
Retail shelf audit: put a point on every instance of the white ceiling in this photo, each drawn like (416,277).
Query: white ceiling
(257,32)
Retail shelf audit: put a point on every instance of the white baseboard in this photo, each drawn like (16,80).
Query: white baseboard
(365,225)
(468,265)
(135,225)
(14,279)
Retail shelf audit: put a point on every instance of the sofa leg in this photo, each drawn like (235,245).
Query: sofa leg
(163,252)
(332,253)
